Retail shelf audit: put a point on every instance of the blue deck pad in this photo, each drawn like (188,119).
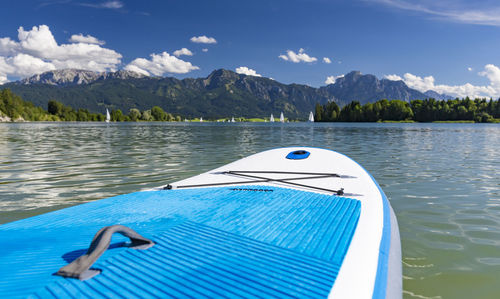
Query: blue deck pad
(211,241)
(193,260)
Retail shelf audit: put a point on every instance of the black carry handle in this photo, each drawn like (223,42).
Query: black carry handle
(80,268)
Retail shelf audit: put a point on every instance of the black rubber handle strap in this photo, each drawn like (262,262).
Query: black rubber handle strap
(80,268)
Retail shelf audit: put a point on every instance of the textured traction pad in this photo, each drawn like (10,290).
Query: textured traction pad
(193,260)
(210,242)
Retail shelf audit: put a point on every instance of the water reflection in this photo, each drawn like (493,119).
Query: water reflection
(442,180)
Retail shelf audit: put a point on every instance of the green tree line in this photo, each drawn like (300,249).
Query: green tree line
(16,108)
(67,113)
(477,110)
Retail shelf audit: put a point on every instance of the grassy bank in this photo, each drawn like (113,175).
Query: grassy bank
(397,121)
(454,121)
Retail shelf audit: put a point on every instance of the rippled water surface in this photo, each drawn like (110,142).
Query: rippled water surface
(443,180)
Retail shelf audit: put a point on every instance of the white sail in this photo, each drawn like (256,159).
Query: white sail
(108,117)
(311,117)
(282,118)
(201,119)
(232,119)
(272,118)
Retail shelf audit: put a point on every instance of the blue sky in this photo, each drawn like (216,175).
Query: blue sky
(450,46)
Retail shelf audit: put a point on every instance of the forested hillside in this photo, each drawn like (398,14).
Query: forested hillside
(222,93)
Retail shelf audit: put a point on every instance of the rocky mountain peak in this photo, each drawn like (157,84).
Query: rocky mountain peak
(123,74)
(438,96)
(353,75)
(223,73)
(219,77)
(355,86)
(62,77)
(66,77)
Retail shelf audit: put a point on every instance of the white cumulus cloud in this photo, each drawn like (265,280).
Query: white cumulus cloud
(8,46)
(87,39)
(203,39)
(393,77)
(37,51)
(160,64)
(23,65)
(332,79)
(469,69)
(491,72)
(246,71)
(327,60)
(183,51)
(3,79)
(301,56)
(204,50)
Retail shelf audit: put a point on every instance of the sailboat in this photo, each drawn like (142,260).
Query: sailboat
(201,119)
(232,119)
(272,118)
(108,117)
(311,117)
(282,118)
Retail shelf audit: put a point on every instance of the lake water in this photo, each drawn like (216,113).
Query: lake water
(443,180)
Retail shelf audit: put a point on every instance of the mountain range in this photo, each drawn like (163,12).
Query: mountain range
(223,93)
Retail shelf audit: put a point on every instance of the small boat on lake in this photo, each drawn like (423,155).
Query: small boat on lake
(108,117)
(295,222)
(282,118)
(271,119)
(311,117)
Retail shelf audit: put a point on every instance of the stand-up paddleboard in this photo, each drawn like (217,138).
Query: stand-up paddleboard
(288,222)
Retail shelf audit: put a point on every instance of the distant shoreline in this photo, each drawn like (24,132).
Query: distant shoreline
(258,121)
